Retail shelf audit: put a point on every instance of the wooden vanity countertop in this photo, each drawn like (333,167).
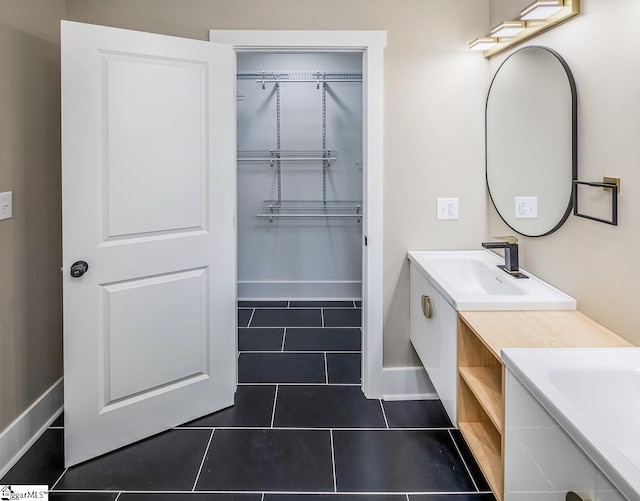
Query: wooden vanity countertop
(539,329)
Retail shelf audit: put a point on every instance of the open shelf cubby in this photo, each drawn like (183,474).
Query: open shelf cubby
(481,404)
(481,397)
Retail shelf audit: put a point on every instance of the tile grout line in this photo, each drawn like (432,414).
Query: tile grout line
(463,461)
(298,352)
(204,457)
(322,315)
(289,307)
(333,464)
(407,496)
(277,492)
(118,496)
(253,312)
(314,305)
(262,497)
(384,415)
(326,369)
(306,428)
(284,335)
(271,383)
(302,327)
(59,478)
(273,413)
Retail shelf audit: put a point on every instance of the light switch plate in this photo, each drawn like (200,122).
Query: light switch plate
(447,208)
(526,207)
(6,205)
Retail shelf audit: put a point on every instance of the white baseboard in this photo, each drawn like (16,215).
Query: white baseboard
(299,289)
(16,439)
(407,383)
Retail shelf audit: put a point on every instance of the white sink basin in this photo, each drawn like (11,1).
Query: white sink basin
(471,280)
(594,394)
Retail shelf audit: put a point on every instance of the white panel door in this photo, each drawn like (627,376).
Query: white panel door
(148,124)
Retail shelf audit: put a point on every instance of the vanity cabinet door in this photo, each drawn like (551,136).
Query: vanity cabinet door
(434,338)
(541,462)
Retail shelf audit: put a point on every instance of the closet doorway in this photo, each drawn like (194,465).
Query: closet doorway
(299,217)
(299,158)
(310,213)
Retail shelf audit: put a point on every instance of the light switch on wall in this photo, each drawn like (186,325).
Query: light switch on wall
(6,205)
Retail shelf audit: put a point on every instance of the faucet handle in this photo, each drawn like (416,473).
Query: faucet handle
(510,239)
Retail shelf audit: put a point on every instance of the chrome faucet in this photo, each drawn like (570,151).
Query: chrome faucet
(510,246)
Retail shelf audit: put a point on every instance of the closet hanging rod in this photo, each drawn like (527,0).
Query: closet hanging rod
(271,216)
(269,80)
(299,76)
(299,205)
(313,153)
(286,155)
(271,159)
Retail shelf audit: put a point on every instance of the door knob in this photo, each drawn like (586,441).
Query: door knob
(79,268)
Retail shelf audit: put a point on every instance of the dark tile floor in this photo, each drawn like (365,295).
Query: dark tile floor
(300,429)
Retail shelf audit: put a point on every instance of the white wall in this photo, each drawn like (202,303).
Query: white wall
(594,262)
(434,103)
(299,257)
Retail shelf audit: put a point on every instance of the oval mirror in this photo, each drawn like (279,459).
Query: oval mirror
(531,141)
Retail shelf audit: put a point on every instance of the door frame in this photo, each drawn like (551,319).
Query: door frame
(371,45)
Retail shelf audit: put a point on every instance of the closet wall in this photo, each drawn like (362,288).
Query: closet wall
(292,249)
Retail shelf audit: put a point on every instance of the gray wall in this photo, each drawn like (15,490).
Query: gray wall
(307,250)
(30,242)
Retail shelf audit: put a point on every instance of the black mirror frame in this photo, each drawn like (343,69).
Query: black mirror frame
(574,137)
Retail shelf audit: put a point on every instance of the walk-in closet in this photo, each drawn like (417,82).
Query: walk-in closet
(300,176)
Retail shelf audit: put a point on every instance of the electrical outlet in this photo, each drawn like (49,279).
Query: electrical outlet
(6,205)
(447,208)
(526,207)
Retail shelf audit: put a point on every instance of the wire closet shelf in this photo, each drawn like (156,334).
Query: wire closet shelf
(316,77)
(324,157)
(272,156)
(273,209)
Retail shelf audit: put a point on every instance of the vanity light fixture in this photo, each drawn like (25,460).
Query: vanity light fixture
(508,29)
(541,9)
(483,43)
(535,18)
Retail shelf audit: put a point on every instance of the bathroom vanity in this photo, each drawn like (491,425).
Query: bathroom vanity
(445,282)
(463,311)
